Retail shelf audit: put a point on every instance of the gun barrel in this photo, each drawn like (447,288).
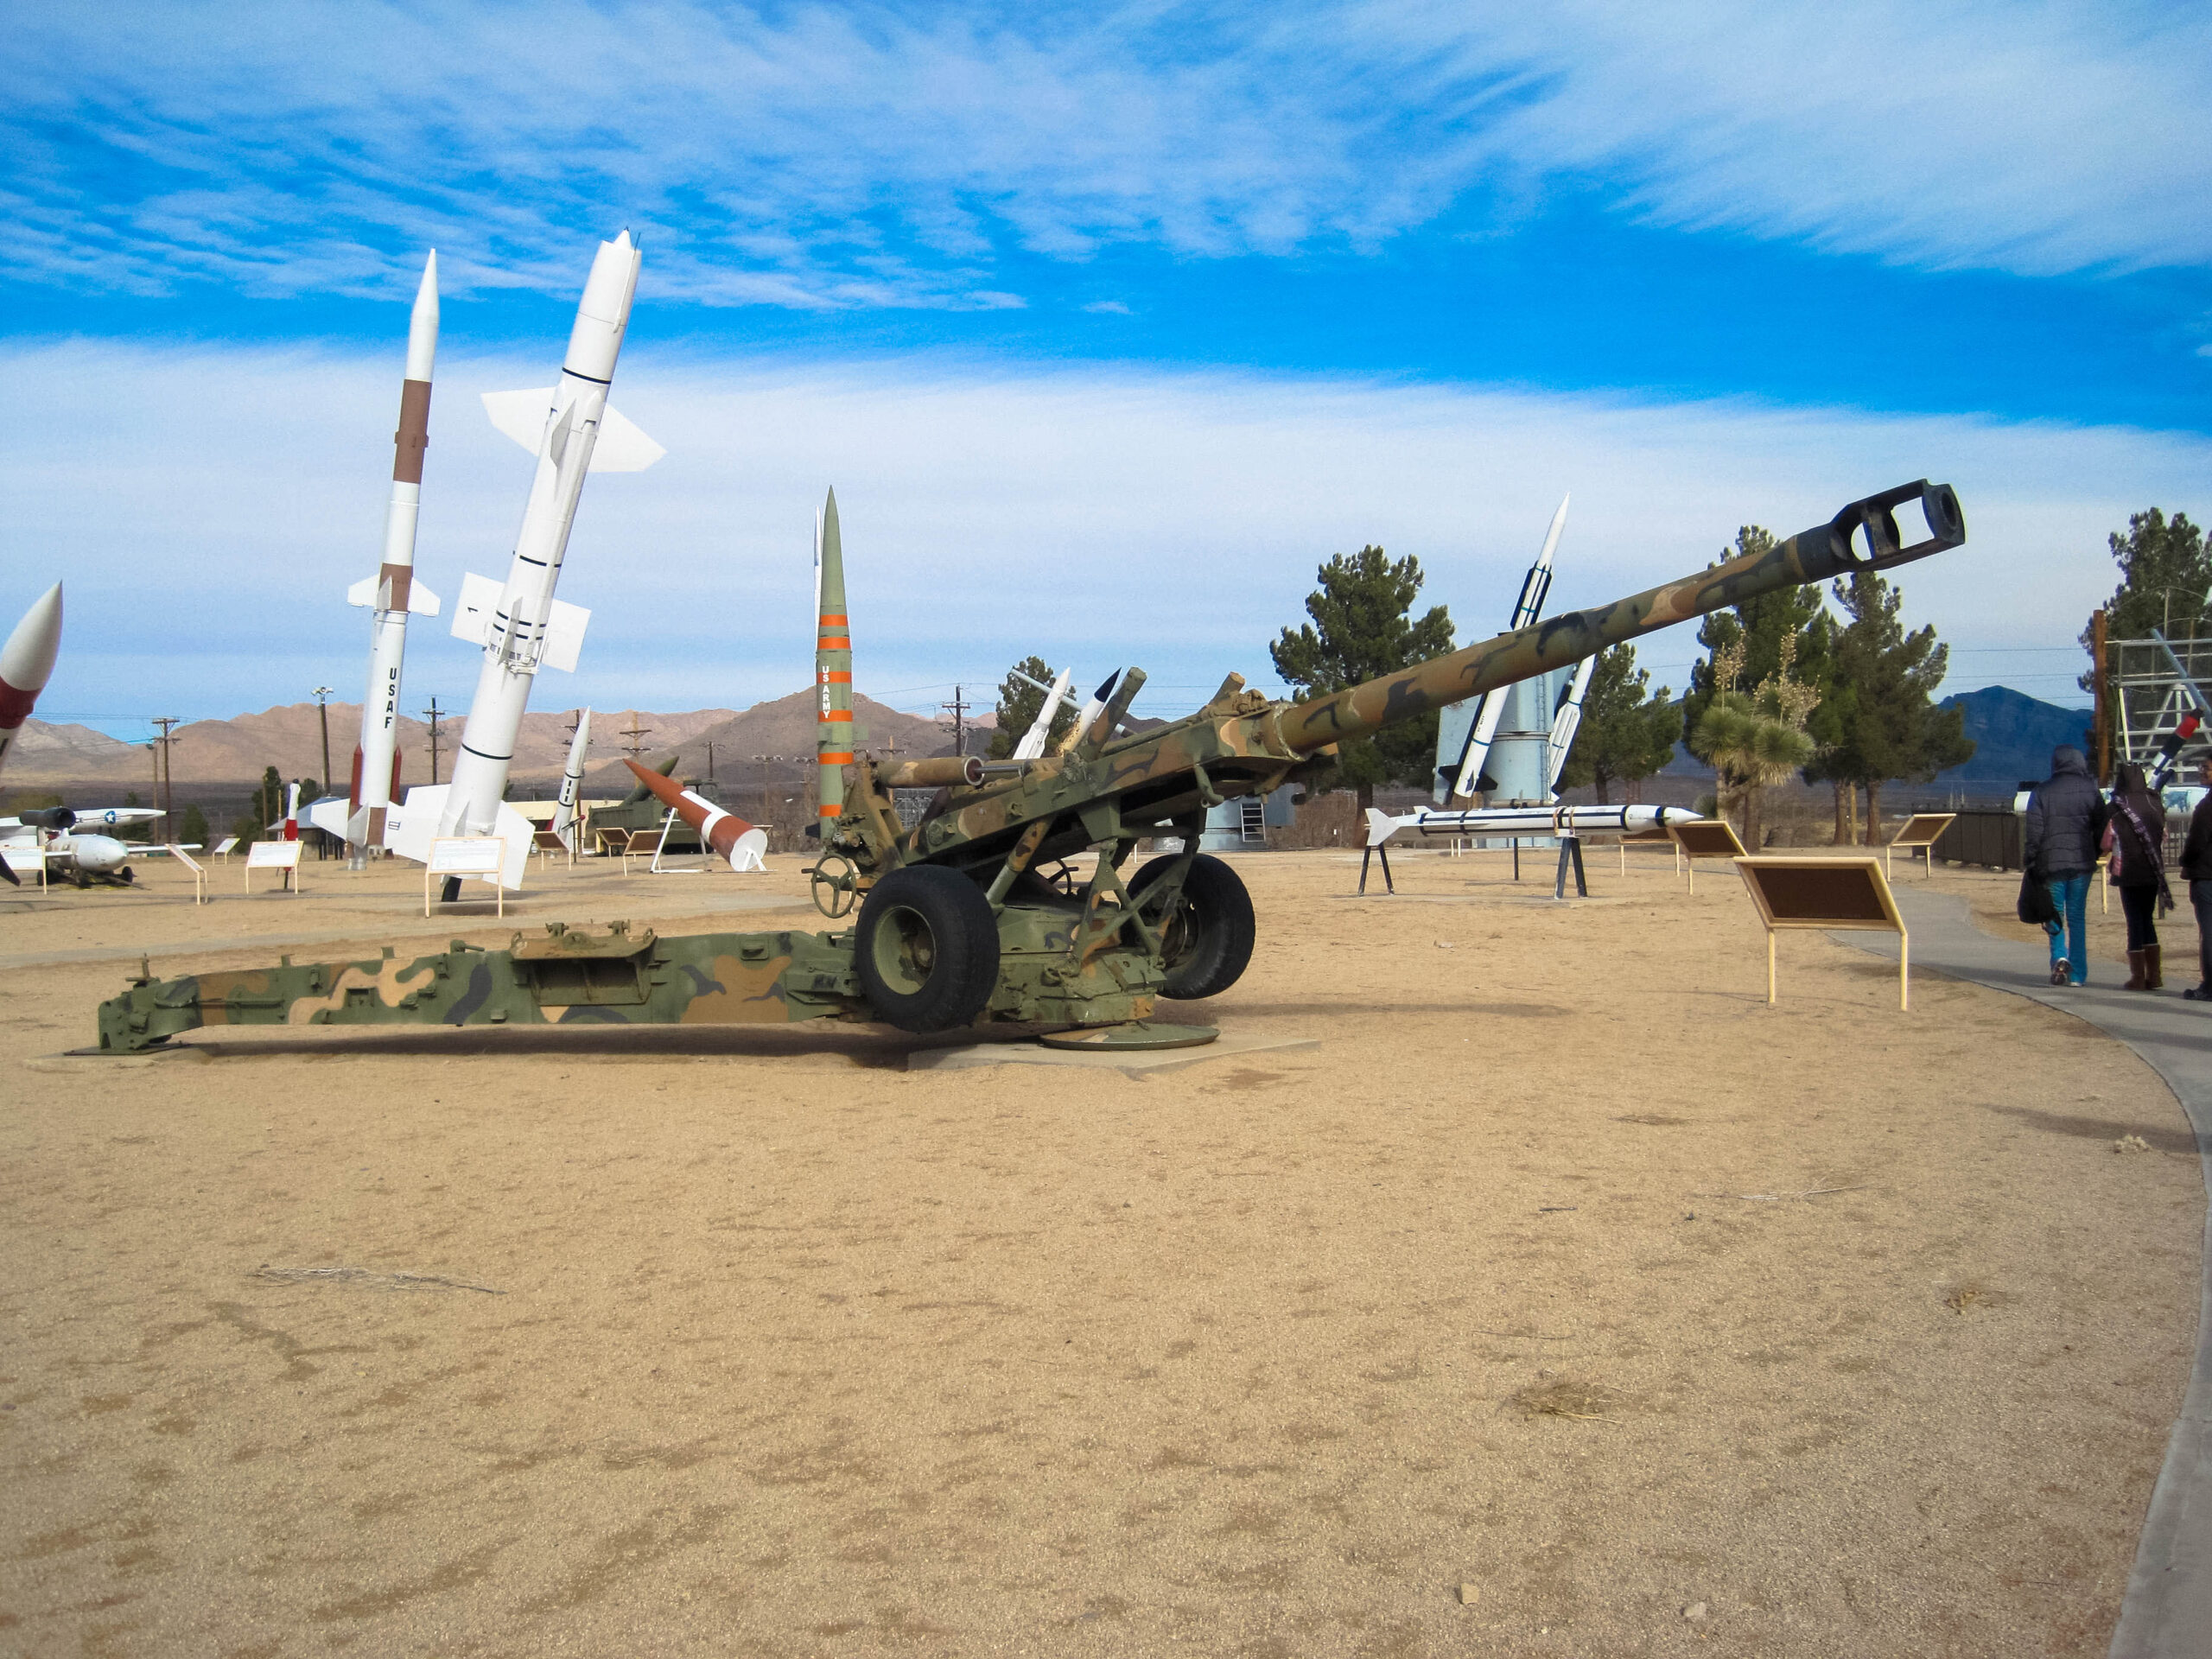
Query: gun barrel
(1863,537)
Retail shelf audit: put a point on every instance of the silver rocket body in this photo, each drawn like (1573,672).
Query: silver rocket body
(572,783)
(393,594)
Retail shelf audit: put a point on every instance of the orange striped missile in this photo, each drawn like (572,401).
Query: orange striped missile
(833,666)
(737,842)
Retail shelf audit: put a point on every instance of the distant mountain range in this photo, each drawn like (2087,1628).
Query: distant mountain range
(289,737)
(2013,735)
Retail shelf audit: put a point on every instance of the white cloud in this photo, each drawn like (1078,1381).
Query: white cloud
(859,156)
(209,507)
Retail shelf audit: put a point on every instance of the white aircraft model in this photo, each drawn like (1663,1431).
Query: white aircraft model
(56,834)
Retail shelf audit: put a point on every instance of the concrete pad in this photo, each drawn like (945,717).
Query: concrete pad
(1029,1051)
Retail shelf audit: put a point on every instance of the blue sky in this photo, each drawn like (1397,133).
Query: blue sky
(1109,322)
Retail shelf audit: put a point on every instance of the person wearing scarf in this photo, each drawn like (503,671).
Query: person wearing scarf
(2135,836)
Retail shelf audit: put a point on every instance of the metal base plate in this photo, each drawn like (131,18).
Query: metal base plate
(1137,1034)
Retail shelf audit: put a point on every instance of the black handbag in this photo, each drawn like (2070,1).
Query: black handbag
(2035,908)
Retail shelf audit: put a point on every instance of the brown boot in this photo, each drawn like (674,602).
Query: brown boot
(2153,979)
(2134,972)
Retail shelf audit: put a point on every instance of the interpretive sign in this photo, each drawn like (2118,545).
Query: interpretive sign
(1704,838)
(1920,834)
(479,855)
(1825,893)
(274,855)
(199,875)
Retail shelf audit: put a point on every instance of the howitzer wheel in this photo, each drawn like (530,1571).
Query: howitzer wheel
(1207,938)
(927,949)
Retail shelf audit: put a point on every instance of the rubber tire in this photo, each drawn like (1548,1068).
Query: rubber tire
(1214,944)
(964,971)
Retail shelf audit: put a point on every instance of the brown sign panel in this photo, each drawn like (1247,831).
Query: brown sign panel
(1830,895)
(1923,829)
(1825,892)
(1706,838)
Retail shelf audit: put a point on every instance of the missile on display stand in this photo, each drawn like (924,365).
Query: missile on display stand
(393,594)
(521,626)
(1524,821)
(1463,737)
(572,783)
(833,667)
(731,838)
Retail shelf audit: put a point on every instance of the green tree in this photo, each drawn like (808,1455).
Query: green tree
(2165,582)
(1363,626)
(1017,710)
(1628,731)
(194,829)
(1752,739)
(1889,726)
(268,800)
(1760,627)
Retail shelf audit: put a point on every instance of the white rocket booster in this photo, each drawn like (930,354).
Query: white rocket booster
(392,592)
(520,624)
(572,780)
(1466,766)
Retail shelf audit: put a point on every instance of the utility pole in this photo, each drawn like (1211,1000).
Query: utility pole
(710,763)
(636,733)
(322,696)
(434,715)
(162,768)
(958,709)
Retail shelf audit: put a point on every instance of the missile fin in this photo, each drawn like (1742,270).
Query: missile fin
(478,613)
(564,636)
(363,592)
(420,601)
(620,446)
(521,415)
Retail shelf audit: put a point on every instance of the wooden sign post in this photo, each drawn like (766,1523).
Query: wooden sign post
(1920,834)
(1825,893)
(1704,838)
(274,855)
(467,856)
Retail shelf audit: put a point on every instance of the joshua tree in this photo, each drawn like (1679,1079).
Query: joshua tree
(1752,739)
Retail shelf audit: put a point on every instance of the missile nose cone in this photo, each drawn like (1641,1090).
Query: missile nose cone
(422,323)
(27,660)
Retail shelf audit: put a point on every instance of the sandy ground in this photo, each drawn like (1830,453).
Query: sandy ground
(1562,1269)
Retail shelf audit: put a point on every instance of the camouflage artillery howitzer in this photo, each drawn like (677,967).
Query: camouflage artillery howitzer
(952,922)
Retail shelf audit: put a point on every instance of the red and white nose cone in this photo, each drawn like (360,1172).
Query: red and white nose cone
(27,660)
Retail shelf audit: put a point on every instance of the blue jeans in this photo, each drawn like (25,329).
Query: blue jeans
(2069,897)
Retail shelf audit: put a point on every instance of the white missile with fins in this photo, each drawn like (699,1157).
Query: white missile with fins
(1527,821)
(521,626)
(392,594)
(1565,723)
(1461,749)
(572,783)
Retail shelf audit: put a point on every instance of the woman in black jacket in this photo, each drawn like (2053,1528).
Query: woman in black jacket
(2136,838)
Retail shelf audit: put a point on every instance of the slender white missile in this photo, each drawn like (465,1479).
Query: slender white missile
(291,811)
(1463,769)
(393,594)
(1088,713)
(27,663)
(572,782)
(1527,821)
(1032,740)
(1565,723)
(521,626)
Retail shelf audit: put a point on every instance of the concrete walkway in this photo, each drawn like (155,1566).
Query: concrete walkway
(2168,1611)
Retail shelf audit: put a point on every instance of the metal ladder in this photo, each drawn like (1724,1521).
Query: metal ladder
(1252,827)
